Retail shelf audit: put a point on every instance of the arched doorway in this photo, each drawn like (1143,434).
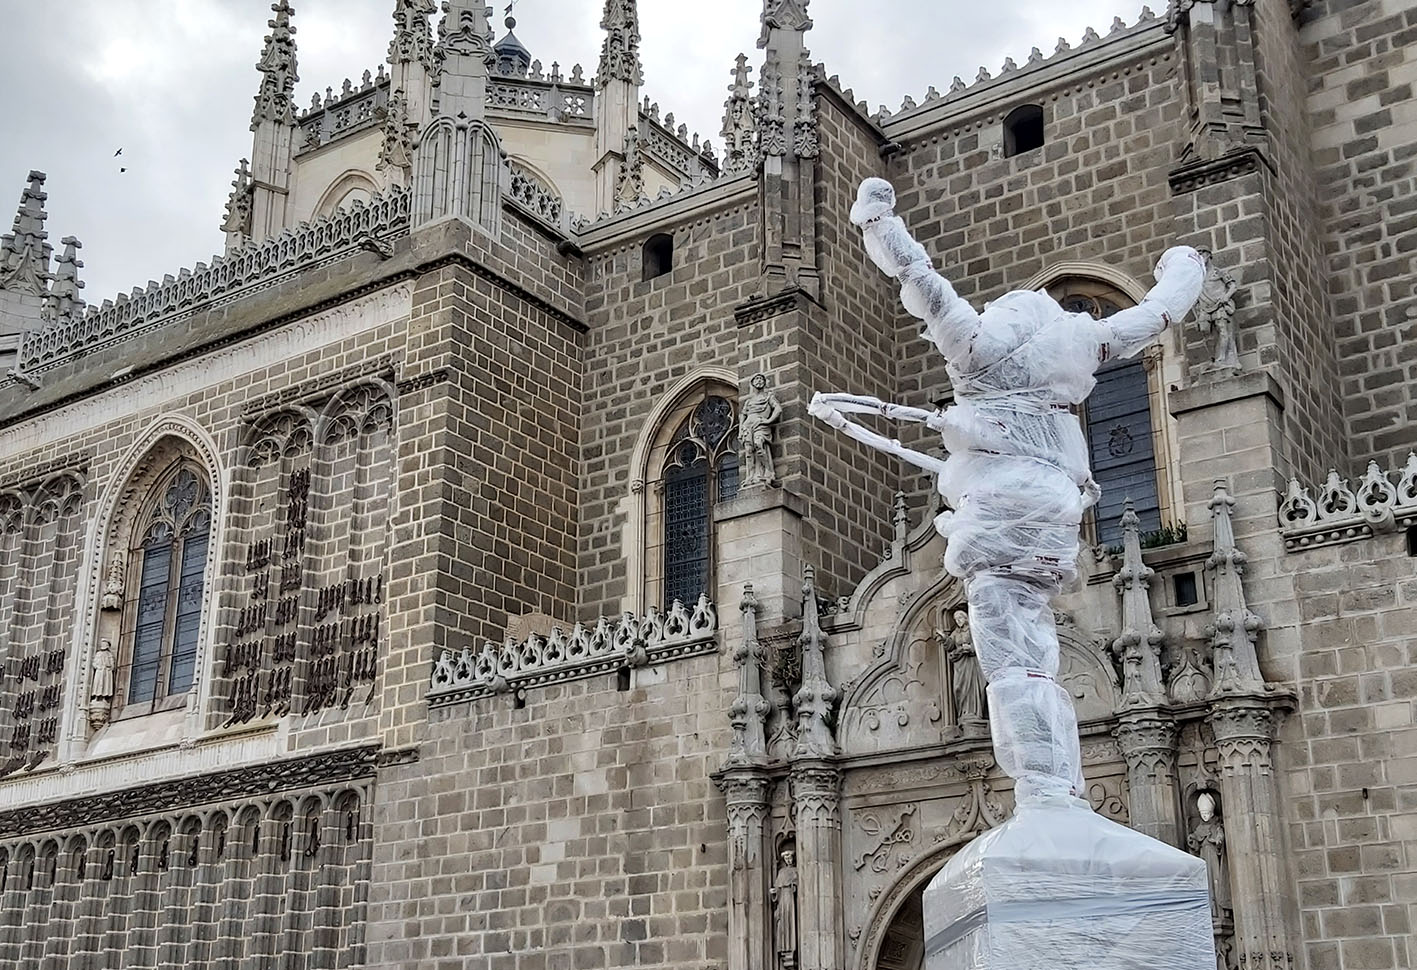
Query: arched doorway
(903,944)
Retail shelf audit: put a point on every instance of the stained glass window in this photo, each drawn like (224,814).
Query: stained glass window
(1117,423)
(700,470)
(167,610)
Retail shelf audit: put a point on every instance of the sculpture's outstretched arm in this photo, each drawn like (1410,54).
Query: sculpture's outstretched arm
(949,321)
(1180,274)
(822,407)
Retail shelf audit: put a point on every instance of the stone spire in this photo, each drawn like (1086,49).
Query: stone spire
(1236,663)
(237,224)
(65,302)
(618,162)
(275,100)
(410,80)
(786,119)
(25,251)
(1139,646)
(273,124)
(740,126)
(815,697)
(457,166)
(462,59)
(749,710)
(412,42)
(24,271)
(620,50)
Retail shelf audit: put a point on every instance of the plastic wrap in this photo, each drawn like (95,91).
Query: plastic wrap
(1017,478)
(1058,887)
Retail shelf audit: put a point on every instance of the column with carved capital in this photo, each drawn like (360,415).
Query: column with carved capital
(1147,739)
(746,792)
(816,793)
(1244,729)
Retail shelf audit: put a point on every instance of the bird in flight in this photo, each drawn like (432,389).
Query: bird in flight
(117,153)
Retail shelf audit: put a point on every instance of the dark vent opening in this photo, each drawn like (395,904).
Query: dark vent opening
(1412,541)
(658,255)
(622,679)
(1023,130)
(1186,590)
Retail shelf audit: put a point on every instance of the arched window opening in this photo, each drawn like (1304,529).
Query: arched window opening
(164,614)
(1117,423)
(700,470)
(658,255)
(1023,130)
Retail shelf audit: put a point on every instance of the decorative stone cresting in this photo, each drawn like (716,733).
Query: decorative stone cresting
(257,265)
(605,646)
(1340,514)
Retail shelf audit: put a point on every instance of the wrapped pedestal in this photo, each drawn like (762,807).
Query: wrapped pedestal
(1058,887)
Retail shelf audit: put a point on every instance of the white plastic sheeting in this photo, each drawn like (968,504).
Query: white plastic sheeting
(1058,887)
(1017,477)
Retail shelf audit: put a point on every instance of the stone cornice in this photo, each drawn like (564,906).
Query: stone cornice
(333,767)
(766,307)
(1198,173)
(1066,69)
(620,228)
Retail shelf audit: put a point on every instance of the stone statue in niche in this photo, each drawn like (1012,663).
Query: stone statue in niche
(113,585)
(1216,311)
(1207,840)
(760,414)
(101,689)
(784,910)
(966,678)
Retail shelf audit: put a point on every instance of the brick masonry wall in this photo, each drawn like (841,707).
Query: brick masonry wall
(580,831)
(644,337)
(1351,752)
(1361,65)
(1306,343)
(846,345)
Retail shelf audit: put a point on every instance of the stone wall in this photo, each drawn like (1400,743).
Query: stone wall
(645,337)
(578,827)
(1361,64)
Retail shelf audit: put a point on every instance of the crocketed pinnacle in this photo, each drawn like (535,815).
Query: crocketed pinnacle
(413,35)
(464,33)
(65,302)
(783,15)
(620,50)
(275,100)
(24,252)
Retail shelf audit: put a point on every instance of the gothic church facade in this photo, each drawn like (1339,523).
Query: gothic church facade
(449,575)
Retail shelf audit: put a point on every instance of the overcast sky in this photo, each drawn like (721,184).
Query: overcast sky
(171,83)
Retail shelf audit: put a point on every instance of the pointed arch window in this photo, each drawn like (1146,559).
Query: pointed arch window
(164,614)
(700,470)
(1118,422)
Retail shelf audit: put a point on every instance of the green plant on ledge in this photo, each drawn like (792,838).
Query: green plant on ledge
(1169,534)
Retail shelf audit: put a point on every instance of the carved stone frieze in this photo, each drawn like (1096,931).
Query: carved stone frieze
(586,651)
(880,832)
(1342,515)
(347,764)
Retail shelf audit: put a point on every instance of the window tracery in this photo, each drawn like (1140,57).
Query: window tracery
(40,542)
(699,470)
(1120,425)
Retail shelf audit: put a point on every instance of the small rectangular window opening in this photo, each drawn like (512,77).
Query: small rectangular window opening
(1185,588)
(1412,541)
(1023,130)
(622,679)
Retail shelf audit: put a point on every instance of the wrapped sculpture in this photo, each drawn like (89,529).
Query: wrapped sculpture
(1017,484)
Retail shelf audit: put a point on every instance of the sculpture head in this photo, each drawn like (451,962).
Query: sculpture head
(1205,805)
(961,618)
(789,858)
(758,382)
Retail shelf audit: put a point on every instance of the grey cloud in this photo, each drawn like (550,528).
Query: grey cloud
(171,83)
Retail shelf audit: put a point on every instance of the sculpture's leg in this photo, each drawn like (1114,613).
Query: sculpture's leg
(1031,715)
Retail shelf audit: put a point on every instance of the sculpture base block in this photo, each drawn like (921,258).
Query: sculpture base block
(1058,887)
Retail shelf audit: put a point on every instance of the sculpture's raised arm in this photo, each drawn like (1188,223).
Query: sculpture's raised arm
(1180,274)
(949,321)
